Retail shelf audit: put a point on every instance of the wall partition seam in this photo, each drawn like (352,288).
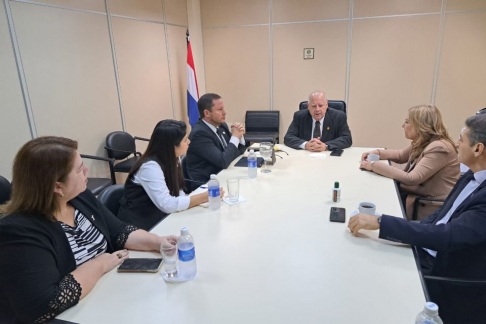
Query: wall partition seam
(115,66)
(59,7)
(398,16)
(164,17)
(270,34)
(138,19)
(438,52)
(348,52)
(236,26)
(20,70)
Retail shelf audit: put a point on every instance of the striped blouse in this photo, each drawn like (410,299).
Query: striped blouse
(86,240)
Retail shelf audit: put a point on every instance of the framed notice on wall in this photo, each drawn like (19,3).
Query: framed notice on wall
(308,53)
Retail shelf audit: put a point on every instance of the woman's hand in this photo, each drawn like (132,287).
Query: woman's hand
(364,157)
(110,261)
(168,241)
(365,165)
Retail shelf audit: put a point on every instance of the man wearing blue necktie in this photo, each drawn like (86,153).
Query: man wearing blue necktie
(453,238)
(451,242)
(213,146)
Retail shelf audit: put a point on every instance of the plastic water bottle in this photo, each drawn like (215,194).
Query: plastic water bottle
(430,315)
(252,165)
(214,194)
(187,255)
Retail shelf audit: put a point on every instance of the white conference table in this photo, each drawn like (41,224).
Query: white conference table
(276,258)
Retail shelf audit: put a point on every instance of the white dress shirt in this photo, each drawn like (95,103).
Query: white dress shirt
(479,177)
(302,146)
(151,177)
(234,140)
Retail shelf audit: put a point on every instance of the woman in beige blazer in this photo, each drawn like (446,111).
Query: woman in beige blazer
(431,167)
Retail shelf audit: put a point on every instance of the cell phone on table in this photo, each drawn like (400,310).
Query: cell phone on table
(337,152)
(338,214)
(140,265)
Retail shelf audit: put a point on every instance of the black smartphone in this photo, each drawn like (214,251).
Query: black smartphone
(338,214)
(337,152)
(140,265)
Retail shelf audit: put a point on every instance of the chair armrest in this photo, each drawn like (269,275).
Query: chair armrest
(141,139)
(117,150)
(111,162)
(416,204)
(457,280)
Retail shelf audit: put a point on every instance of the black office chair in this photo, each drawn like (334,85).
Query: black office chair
(5,190)
(419,201)
(110,197)
(482,111)
(120,145)
(335,104)
(262,126)
(460,300)
(96,185)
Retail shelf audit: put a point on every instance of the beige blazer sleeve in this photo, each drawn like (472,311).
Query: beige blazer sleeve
(397,156)
(432,159)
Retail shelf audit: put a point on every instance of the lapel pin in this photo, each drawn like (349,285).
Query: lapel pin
(328,128)
(92,217)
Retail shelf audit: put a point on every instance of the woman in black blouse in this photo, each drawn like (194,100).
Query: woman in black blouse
(56,239)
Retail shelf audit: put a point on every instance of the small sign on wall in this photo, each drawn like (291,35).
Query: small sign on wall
(308,53)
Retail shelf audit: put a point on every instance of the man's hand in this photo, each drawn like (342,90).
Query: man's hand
(237,130)
(315,145)
(363,221)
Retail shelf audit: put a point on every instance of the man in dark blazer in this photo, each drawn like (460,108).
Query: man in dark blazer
(318,128)
(452,240)
(213,146)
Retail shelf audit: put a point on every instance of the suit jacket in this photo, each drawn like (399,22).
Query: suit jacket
(37,261)
(206,154)
(335,131)
(433,174)
(460,244)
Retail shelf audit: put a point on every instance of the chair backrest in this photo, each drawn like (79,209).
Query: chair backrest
(120,141)
(110,197)
(184,167)
(335,104)
(5,190)
(262,121)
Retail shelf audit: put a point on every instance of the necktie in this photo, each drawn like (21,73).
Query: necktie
(220,131)
(317,130)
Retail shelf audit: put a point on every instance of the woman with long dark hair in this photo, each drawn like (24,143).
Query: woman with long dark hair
(56,238)
(431,166)
(155,185)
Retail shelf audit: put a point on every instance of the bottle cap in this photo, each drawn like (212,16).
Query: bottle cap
(185,231)
(213,177)
(252,151)
(336,185)
(431,309)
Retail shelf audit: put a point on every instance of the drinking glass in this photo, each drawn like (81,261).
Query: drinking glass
(233,190)
(169,254)
(266,149)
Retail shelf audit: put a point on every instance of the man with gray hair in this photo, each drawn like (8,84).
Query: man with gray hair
(318,128)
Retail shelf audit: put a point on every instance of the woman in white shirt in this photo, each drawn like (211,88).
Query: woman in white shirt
(155,185)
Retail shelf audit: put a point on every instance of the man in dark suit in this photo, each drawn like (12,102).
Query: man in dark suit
(213,146)
(318,128)
(452,240)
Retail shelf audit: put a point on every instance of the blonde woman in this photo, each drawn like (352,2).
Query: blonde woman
(431,166)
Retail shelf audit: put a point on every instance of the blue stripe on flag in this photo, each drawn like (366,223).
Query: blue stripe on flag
(192,111)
